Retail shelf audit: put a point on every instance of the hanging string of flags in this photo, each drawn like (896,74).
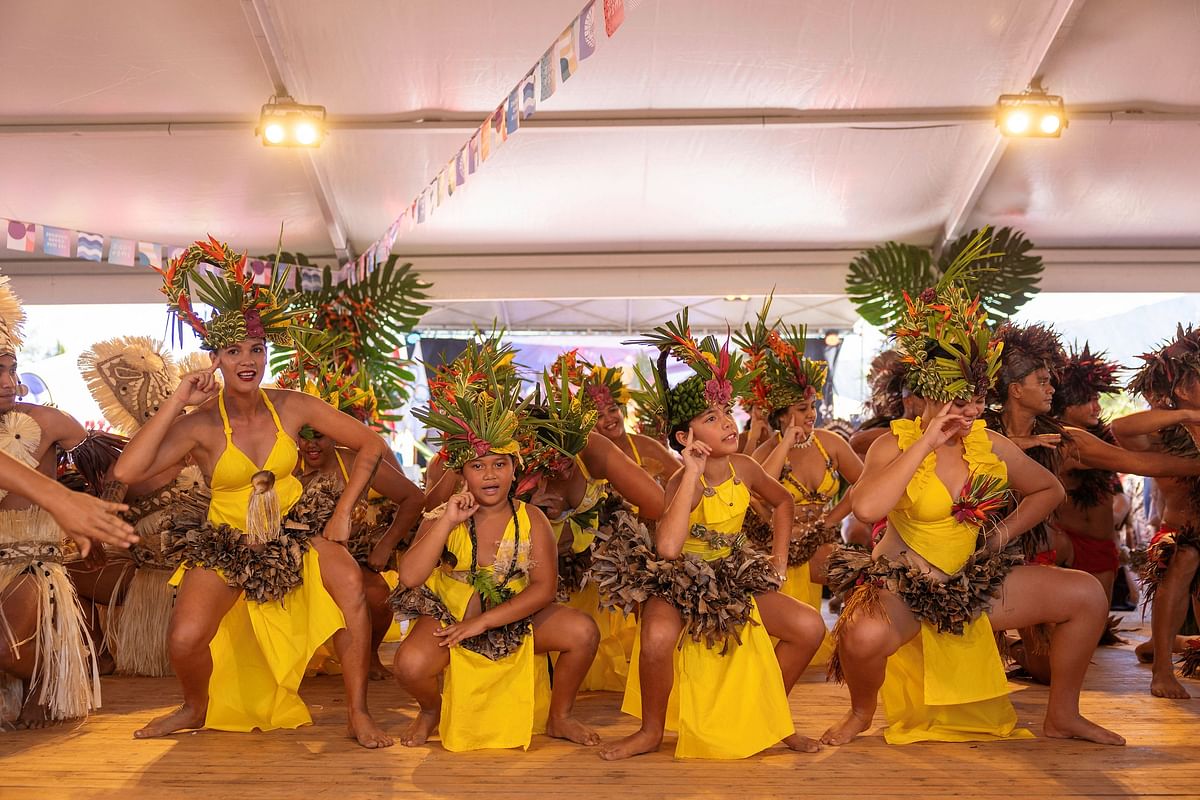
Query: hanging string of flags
(558,63)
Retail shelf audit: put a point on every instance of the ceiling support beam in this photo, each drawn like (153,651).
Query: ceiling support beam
(964,204)
(270,48)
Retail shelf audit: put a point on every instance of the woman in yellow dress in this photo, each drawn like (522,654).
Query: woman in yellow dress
(704,663)
(257,591)
(479,580)
(918,624)
(605,388)
(810,463)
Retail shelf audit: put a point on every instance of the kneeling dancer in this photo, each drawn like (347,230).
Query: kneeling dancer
(920,618)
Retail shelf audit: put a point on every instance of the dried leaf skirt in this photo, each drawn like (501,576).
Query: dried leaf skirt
(283,615)
(947,684)
(64,679)
(727,700)
(495,690)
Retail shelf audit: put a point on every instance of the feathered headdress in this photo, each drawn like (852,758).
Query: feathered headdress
(129,377)
(1027,348)
(719,375)
(944,340)
(602,385)
(1173,361)
(1084,376)
(12,319)
(241,308)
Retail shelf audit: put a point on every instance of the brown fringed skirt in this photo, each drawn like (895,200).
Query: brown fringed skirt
(714,598)
(807,536)
(493,644)
(1157,559)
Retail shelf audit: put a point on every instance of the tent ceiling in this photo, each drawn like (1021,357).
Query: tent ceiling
(599,201)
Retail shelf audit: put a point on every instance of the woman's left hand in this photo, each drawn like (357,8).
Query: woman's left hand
(456,633)
(338,528)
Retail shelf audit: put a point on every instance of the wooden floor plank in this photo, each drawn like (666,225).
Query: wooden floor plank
(99,759)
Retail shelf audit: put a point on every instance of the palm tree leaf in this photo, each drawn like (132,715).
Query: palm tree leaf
(1004,275)
(879,277)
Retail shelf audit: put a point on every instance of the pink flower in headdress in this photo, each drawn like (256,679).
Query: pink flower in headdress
(718,392)
(601,396)
(480,446)
(254,326)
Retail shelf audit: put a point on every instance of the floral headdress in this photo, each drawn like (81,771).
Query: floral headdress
(558,425)
(603,385)
(783,374)
(719,375)
(648,406)
(1027,348)
(129,377)
(475,416)
(484,354)
(946,345)
(12,319)
(242,309)
(314,369)
(1164,369)
(1084,376)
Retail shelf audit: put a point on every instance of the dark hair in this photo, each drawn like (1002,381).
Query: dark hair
(675,444)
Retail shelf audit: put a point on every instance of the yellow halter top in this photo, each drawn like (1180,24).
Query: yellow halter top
(826,490)
(231,477)
(722,509)
(923,517)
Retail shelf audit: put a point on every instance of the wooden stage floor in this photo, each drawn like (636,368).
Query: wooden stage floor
(99,759)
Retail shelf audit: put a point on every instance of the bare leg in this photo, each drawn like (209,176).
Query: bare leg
(343,580)
(417,664)
(661,626)
(376,591)
(800,631)
(19,608)
(575,637)
(863,647)
(202,601)
(1074,602)
(1167,616)
(103,585)
(1107,581)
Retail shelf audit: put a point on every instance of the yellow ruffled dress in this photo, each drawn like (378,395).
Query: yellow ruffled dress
(486,703)
(261,649)
(723,706)
(941,686)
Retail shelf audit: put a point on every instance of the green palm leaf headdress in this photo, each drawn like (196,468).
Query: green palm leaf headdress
(782,373)
(242,309)
(557,426)
(649,403)
(720,374)
(475,417)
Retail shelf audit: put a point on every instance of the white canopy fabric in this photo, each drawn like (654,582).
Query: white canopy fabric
(709,149)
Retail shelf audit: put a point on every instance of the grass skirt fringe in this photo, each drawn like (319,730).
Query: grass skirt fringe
(138,630)
(264,573)
(947,607)
(1157,559)
(65,679)
(807,536)
(713,597)
(494,644)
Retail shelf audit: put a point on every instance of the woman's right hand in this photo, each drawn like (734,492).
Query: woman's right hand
(196,387)
(695,454)
(459,508)
(793,435)
(942,426)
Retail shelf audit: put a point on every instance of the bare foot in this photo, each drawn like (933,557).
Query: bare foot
(1168,686)
(377,671)
(420,729)
(1145,652)
(572,730)
(1079,728)
(184,718)
(105,663)
(802,744)
(362,728)
(34,717)
(851,725)
(634,745)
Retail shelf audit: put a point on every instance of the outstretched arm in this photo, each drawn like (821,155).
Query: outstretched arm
(1134,431)
(604,459)
(1094,453)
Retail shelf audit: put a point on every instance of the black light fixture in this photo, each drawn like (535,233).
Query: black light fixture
(283,122)
(1031,114)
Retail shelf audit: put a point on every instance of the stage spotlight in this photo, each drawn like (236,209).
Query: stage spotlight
(283,122)
(1033,113)
(832,338)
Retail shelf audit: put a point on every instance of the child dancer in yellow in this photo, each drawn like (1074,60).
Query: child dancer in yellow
(258,592)
(919,621)
(704,663)
(480,579)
